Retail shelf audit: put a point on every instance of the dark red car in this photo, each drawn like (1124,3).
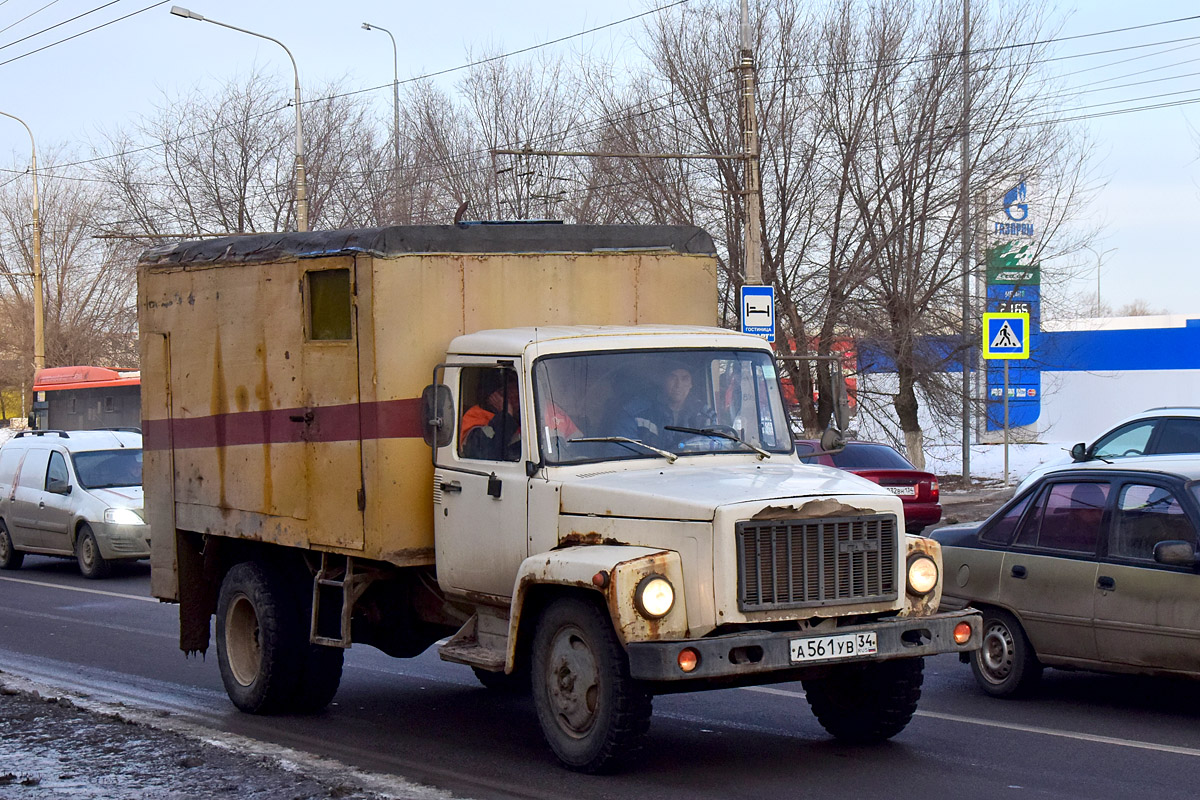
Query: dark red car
(883,465)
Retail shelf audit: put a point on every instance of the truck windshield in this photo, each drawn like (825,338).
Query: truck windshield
(720,396)
(103,469)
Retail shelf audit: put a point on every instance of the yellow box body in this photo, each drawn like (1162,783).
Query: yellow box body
(255,429)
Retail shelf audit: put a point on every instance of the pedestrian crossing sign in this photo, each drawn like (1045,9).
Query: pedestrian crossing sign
(1006,335)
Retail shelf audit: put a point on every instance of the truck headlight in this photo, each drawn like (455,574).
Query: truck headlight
(654,596)
(122,516)
(922,574)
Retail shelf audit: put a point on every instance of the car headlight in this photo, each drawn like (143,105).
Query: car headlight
(654,596)
(122,516)
(922,575)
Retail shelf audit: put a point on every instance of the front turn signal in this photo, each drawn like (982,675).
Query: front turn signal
(962,632)
(688,659)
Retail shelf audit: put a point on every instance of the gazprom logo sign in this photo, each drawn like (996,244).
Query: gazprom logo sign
(1016,221)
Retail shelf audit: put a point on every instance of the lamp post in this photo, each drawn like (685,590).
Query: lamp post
(39,311)
(301,183)
(395,94)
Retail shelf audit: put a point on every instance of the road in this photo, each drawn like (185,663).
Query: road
(1080,736)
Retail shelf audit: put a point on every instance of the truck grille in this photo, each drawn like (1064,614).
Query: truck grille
(816,562)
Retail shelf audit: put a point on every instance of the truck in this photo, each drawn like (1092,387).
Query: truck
(529,445)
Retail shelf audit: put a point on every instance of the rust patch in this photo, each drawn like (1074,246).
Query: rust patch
(408,556)
(576,538)
(826,507)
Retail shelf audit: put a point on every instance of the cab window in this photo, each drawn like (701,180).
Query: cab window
(489,415)
(1146,515)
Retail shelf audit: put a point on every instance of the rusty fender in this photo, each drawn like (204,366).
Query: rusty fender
(613,571)
(922,606)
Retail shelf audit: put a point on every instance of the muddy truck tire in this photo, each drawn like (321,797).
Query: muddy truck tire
(592,713)
(867,703)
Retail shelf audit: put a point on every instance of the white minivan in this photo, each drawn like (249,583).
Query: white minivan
(73,493)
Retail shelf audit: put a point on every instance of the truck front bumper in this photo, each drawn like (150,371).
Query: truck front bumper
(744,654)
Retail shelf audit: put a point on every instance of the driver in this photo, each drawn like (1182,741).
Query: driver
(681,407)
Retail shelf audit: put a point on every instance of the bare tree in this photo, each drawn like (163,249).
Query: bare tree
(225,163)
(89,287)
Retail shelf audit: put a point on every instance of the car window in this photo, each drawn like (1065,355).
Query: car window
(1178,436)
(104,469)
(33,469)
(803,449)
(1067,518)
(1001,531)
(870,456)
(1129,440)
(57,471)
(1146,515)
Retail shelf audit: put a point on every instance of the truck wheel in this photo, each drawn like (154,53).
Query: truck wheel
(592,713)
(257,640)
(87,553)
(503,683)
(10,557)
(867,703)
(1005,666)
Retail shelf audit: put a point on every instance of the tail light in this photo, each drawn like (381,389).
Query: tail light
(933,490)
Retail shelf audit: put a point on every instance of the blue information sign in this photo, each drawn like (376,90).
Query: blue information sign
(758,311)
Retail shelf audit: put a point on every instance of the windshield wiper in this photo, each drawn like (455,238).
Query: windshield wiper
(720,435)
(667,454)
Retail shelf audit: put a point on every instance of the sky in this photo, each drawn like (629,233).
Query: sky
(1146,212)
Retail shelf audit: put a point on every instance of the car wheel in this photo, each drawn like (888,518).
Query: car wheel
(1005,666)
(10,557)
(592,713)
(867,703)
(87,553)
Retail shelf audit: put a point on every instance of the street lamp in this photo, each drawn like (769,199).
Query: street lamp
(301,183)
(39,311)
(395,94)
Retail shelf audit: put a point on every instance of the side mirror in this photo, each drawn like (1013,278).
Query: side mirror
(437,415)
(1175,553)
(1079,452)
(833,439)
(31,420)
(58,487)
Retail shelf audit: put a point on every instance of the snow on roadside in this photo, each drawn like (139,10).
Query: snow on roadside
(987,460)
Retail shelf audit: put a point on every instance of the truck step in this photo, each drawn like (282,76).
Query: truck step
(481,642)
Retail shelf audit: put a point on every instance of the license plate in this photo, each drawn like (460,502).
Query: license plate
(824,648)
(903,491)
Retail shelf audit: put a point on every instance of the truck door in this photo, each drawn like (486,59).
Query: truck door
(480,485)
(331,416)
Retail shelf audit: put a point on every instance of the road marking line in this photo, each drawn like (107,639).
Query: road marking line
(1013,726)
(81,589)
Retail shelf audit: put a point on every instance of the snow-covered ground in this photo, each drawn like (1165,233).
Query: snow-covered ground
(987,460)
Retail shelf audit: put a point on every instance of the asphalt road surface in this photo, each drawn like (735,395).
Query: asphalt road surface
(428,722)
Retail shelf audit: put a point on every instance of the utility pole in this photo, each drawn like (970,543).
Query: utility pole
(752,196)
(39,311)
(965,202)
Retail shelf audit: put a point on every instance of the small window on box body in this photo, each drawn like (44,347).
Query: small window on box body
(329,305)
